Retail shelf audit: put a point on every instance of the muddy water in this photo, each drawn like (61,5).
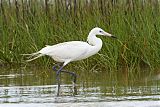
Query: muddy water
(37,87)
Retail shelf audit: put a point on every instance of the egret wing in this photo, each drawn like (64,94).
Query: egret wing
(66,50)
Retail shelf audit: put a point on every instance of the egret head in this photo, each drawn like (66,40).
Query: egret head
(99,31)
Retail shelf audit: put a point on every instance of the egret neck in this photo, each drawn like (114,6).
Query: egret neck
(95,42)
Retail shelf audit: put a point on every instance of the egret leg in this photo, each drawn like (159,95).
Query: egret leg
(65,71)
(58,71)
(74,76)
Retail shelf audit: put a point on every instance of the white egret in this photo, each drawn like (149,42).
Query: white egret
(72,51)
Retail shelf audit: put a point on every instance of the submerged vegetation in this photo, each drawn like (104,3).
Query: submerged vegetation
(28,25)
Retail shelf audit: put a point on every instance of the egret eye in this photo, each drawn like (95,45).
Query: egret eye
(100,31)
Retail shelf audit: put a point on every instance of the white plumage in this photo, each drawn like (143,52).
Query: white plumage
(74,50)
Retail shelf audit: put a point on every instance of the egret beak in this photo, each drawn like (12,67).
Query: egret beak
(110,35)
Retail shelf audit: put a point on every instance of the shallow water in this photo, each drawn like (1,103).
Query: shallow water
(37,87)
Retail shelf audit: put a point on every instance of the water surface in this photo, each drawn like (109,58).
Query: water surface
(37,87)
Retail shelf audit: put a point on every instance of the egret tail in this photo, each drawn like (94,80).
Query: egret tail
(33,56)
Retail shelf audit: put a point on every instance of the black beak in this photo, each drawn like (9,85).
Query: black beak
(114,37)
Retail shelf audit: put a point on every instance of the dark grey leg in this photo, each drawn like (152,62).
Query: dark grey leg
(65,71)
(74,76)
(57,76)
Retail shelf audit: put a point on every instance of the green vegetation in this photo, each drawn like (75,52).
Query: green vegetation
(26,27)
